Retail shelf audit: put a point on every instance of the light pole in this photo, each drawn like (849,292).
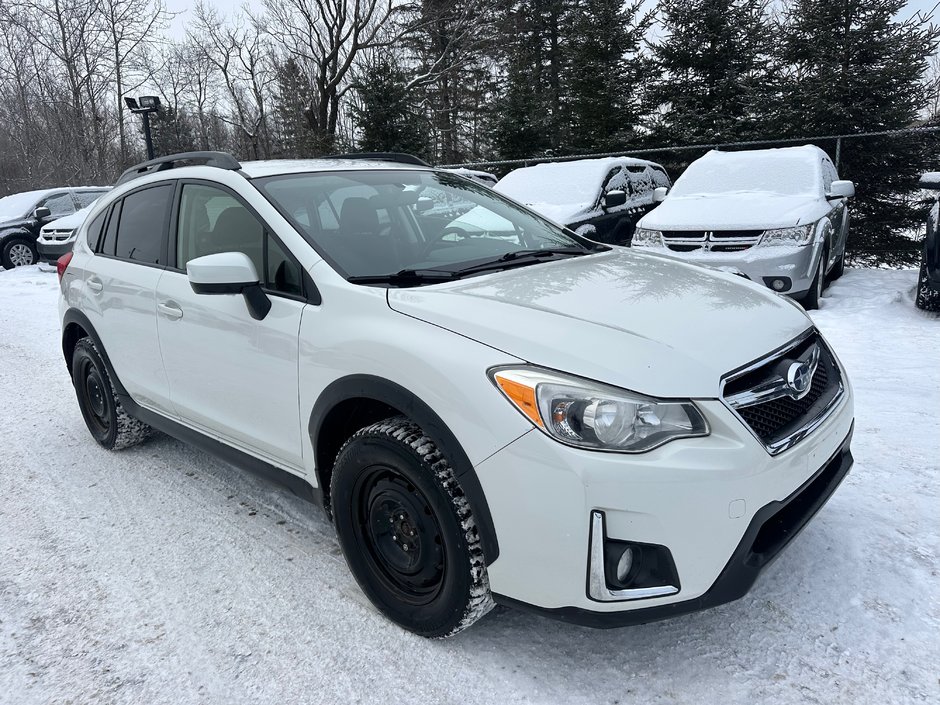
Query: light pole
(143,106)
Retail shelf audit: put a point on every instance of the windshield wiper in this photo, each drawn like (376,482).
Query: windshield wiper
(521,258)
(405,277)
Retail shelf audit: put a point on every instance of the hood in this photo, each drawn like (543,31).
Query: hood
(739,211)
(563,213)
(638,321)
(68,221)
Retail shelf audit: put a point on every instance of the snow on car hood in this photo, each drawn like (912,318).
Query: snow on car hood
(735,211)
(638,321)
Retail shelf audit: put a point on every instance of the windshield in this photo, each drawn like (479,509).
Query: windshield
(18,205)
(768,171)
(374,223)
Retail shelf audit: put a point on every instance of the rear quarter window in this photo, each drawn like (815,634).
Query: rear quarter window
(94,230)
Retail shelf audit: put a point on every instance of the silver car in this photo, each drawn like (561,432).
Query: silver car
(776,216)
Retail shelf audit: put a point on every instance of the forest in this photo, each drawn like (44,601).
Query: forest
(469,81)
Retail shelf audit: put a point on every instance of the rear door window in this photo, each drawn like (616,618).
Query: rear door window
(93,232)
(142,225)
(110,236)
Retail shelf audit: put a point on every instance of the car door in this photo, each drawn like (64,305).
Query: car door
(120,289)
(230,375)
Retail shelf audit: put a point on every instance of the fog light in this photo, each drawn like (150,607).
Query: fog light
(624,565)
(778,285)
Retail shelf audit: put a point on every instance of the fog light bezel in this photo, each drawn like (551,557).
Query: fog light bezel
(653,573)
(786,282)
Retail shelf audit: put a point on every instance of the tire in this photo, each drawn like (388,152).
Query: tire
(18,252)
(838,269)
(111,426)
(928,295)
(407,531)
(811,299)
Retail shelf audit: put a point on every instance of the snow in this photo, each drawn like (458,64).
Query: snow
(562,190)
(17,205)
(787,171)
(159,574)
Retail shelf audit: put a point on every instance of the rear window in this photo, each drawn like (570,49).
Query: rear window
(142,225)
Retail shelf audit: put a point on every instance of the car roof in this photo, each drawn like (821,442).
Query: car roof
(278,167)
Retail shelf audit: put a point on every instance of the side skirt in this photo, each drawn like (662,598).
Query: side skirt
(297,485)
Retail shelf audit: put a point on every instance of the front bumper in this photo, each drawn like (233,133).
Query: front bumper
(721,504)
(50,252)
(796,264)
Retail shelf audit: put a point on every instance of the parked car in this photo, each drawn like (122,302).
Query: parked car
(483,177)
(589,432)
(23,214)
(601,199)
(928,282)
(56,238)
(776,216)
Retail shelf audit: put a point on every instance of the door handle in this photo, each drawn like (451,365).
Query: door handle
(94,283)
(170,310)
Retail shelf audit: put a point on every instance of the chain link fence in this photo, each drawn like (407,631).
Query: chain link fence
(907,241)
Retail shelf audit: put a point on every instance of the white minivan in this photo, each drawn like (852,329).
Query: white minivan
(776,216)
(526,417)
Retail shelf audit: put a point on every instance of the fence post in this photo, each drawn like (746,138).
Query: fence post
(838,151)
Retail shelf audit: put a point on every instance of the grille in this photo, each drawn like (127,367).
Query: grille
(711,240)
(782,421)
(57,235)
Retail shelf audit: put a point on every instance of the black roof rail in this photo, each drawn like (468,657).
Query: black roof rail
(222,160)
(399,157)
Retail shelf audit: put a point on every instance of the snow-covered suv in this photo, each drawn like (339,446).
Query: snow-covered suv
(776,216)
(597,434)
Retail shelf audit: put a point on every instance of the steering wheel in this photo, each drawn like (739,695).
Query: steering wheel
(433,243)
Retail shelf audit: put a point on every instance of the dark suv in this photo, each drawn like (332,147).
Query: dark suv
(23,214)
(928,284)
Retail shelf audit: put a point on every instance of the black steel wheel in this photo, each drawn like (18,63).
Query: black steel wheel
(406,530)
(104,416)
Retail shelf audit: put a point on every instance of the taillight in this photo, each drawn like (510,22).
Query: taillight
(62,264)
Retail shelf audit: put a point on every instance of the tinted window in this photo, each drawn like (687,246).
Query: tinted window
(212,220)
(110,237)
(60,204)
(142,222)
(93,235)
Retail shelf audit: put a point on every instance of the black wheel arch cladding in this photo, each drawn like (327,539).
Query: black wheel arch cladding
(377,390)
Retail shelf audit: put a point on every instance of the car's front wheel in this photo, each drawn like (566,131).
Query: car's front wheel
(18,252)
(814,295)
(111,426)
(407,531)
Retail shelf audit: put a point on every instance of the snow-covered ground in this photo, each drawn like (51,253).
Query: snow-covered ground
(160,575)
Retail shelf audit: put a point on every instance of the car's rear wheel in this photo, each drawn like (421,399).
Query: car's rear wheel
(111,426)
(18,252)
(814,295)
(407,531)
(928,295)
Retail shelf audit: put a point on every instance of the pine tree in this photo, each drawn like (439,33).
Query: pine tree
(296,136)
(851,67)
(172,131)
(531,115)
(386,117)
(713,61)
(604,71)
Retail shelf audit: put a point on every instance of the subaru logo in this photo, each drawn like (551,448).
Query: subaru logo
(800,376)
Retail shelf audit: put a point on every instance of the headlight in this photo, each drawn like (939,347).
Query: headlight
(591,415)
(800,235)
(646,238)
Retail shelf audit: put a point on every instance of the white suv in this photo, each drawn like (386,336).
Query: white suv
(526,418)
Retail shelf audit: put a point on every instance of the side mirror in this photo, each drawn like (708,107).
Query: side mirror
(424,204)
(612,199)
(930,181)
(841,189)
(42,213)
(229,273)
(659,194)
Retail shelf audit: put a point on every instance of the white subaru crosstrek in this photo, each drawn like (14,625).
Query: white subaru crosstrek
(521,417)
